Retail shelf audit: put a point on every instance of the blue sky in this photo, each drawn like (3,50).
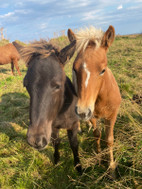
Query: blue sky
(29,20)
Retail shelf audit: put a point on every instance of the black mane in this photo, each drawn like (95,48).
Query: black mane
(42,48)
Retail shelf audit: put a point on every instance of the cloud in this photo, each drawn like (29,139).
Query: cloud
(92,15)
(133,8)
(79,3)
(119,7)
(13,16)
(9,14)
(43,26)
(19,4)
(22,11)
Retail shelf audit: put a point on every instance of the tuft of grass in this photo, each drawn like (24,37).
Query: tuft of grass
(21,166)
(4,42)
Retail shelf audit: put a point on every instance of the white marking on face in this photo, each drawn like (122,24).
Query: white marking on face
(88,74)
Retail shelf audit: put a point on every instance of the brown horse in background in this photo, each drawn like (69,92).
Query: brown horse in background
(97,89)
(9,54)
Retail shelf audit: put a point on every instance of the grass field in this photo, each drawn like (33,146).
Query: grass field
(22,167)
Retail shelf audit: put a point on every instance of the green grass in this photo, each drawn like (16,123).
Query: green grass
(22,167)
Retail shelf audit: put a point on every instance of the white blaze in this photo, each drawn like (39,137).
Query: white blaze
(88,74)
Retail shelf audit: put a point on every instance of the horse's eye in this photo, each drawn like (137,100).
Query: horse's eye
(102,72)
(57,86)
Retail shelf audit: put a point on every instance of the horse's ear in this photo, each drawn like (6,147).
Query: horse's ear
(67,52)
(71,35)
(108,37)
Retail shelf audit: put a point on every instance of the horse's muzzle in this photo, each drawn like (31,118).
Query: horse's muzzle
(84,114)
(39,142)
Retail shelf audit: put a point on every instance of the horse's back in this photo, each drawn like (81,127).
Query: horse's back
(13,50)
(8,53)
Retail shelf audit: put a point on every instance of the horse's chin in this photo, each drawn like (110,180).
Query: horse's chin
(86,118)
(41,149)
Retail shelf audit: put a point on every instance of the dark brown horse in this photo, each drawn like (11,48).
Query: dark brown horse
(9,54)
(52,97)
(97,89)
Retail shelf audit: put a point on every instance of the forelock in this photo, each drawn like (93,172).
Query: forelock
(83,36)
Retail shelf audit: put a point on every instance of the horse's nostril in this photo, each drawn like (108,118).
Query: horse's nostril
(79,112)
(41,142)
(89,113)
(44,141)
(38,142)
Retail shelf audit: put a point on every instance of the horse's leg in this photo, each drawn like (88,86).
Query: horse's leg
(56,142)
(110,139)
(15,61)
(97,134)
(12,68)
(72,135)
(79,128)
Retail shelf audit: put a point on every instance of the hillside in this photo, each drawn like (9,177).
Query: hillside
(21,166)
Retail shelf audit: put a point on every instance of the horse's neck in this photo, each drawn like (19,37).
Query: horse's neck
(109,86)
(17,46)
(69,96)
(107,80)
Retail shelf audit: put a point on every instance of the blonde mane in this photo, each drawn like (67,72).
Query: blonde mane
(83,37)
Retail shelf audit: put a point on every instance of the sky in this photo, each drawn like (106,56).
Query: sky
(29,20)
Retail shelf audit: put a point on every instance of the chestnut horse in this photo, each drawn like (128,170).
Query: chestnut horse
(9,54)
(97,89)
